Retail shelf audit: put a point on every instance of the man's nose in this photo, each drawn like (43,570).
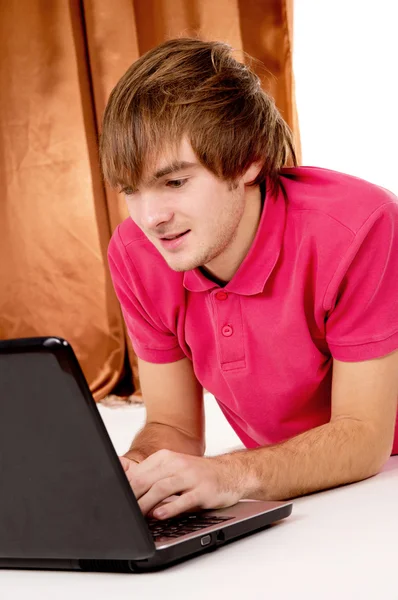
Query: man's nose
(155,213)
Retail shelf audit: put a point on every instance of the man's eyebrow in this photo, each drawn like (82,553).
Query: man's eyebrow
(172,168)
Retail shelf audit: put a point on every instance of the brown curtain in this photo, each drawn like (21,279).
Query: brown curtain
(59,61)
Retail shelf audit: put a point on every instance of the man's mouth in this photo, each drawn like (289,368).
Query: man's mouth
(174,236)
(172,242)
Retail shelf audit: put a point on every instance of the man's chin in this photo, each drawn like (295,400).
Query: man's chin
(180,266)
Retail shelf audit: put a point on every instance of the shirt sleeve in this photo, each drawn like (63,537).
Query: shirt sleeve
(362,299)
(152,341)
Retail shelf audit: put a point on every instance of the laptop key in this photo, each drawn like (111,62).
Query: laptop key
(183,525)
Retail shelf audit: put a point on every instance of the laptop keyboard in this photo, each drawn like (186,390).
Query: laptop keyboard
(183,524)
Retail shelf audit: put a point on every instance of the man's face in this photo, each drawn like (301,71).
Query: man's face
(181,197)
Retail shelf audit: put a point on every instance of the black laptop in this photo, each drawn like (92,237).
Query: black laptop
(65,502)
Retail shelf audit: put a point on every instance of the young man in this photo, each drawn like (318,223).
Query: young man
(274,288)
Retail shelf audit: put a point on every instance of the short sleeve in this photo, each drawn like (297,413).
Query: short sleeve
(361,302)
(150,338)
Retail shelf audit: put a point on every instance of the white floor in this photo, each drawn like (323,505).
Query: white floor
(124,422)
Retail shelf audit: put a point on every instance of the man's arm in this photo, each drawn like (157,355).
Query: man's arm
(173,399)
(352,446)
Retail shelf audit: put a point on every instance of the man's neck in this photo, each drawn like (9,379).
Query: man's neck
(222,269)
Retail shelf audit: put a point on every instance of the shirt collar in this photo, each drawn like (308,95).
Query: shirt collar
(261,259)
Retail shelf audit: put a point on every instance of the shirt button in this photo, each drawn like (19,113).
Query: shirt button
(227,330)
(221,295)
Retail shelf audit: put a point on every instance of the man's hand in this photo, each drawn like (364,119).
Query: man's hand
(353,445)
(183,482)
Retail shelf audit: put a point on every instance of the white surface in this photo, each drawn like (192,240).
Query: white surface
(345,63)
(337,544)
(125,422)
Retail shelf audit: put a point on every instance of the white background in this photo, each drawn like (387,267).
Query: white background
(345,63)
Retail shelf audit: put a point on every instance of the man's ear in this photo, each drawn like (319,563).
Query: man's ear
(252,172)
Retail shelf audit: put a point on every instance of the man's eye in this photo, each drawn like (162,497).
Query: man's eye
(176,183)
(128,191)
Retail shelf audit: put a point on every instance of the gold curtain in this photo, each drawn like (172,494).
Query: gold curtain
(59,60)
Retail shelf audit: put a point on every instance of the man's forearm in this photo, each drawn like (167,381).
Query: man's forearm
(157,436)
(339,452)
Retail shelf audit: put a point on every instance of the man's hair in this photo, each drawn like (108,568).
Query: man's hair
(188,87)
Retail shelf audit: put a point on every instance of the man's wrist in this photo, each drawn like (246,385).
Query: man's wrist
(239,472)
(134,455)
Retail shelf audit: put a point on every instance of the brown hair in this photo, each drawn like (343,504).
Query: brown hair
(195,88)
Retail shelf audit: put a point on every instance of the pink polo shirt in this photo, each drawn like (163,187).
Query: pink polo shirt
(320,281)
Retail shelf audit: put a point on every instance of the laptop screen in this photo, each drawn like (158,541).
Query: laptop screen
(63,492)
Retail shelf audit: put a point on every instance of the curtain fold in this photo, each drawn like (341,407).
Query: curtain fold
(53,215)
(59,61)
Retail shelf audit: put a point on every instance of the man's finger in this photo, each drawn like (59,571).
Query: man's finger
(125,462)
(165,501)
(159,492)
(129,467)
(157,467)
(184,503)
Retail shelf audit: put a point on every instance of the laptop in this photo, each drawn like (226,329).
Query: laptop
(65,502)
